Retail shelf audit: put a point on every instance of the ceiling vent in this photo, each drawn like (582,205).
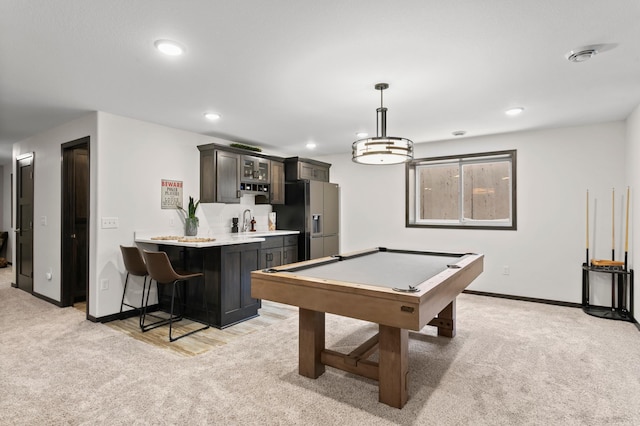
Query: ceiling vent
(581,55)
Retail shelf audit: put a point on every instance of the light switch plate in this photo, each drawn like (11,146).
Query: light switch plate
(110,222)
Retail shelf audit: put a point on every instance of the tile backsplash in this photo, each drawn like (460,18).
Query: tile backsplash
(215,218)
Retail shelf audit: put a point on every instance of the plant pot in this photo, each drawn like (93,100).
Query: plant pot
(191,226)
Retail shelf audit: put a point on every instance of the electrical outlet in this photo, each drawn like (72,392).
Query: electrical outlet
(104,284)
(110,222)
(505,270)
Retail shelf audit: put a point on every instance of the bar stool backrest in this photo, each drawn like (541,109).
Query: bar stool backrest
(159,267)
(133,261)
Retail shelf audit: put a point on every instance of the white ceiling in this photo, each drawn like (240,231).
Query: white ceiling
(285,72)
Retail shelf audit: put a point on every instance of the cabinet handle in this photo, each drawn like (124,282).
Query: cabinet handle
(238,194)
(284,255)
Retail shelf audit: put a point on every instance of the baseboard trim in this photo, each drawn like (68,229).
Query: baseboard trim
(534,300)
(47,299)
(14,285)
(524,299)
(122,315)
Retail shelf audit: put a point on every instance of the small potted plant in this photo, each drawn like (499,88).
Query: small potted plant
(191,220)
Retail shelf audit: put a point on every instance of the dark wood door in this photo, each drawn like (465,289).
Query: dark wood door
(75,221)
(24,224)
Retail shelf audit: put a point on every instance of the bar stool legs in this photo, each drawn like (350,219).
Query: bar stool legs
(161,321)
(173,297)
(134,265)
(161,271)
(124,292)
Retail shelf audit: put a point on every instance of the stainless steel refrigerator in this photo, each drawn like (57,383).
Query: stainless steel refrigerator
(313,208)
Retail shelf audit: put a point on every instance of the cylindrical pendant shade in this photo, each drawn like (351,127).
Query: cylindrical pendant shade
(382,150)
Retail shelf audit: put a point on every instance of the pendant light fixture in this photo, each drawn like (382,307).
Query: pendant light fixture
(382,149)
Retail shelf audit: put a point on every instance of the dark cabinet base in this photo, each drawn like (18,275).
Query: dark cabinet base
(277,251)
(225,288)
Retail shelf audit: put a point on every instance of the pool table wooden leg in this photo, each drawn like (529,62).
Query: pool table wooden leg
(393,365)
(311,343)
(448,317)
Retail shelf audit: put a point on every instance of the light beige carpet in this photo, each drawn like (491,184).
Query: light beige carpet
(512,363)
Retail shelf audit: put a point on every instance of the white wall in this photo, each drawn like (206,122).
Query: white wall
(633,179)
(5,209)
(47,183)
(133,157)
(128,160)
(554,170)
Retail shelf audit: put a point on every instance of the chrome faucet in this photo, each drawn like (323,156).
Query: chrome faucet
(246,221)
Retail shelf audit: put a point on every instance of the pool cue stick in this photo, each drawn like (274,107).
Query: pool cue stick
(626,230)
(587,252)
(605,263)
(623,290)
(613,224)
(613,245)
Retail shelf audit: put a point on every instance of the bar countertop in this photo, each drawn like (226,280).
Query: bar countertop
(166,238)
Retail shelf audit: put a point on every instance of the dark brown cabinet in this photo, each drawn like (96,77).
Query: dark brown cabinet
(304,168)
(277,182)
(255,169)
(279,250)
(290,250)
(227,173)
(219,176)
(227,182)
(207,176)
(237,262)
(227,278)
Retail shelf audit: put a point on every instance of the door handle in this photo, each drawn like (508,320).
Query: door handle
(17,230)
(73,236)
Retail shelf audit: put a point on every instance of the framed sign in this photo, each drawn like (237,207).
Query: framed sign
(171,194)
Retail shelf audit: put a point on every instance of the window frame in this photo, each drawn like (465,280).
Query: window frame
(411,198)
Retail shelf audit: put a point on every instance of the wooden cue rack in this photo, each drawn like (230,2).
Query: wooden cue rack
(621,276)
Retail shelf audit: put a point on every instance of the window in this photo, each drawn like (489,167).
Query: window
(475,191)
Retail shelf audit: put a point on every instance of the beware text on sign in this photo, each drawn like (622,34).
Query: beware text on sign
(171,194)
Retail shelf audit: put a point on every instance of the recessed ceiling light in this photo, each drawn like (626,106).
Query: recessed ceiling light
(362,134)
(459,133)
(212,116)
(169,47)
(311,145)
(581,55)
(514,111)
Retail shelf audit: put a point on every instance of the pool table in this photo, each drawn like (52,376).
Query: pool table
(400,290)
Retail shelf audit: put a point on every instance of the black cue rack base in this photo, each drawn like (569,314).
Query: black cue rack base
(608,313)
(621,308)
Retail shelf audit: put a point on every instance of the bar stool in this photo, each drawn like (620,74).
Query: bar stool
(162,272)
(134,265)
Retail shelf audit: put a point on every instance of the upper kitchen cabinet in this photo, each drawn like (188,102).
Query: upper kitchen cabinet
(227,177)
(277,182)
(255,169)
(297,168)
(219,175)
(228,173)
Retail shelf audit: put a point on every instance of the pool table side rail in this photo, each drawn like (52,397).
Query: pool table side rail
(451,283)
(370,303)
